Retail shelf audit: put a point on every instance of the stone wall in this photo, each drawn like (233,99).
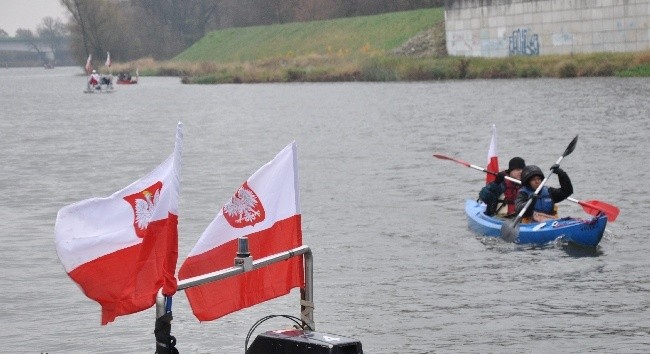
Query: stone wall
(499,28)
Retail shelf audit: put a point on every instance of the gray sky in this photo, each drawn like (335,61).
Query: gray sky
(16,14)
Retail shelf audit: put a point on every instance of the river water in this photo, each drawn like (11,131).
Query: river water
(395,265)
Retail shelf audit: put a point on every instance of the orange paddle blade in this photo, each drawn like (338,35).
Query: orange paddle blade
(593,207)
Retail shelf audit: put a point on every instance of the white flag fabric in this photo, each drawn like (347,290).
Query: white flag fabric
(89,65)
(493,157)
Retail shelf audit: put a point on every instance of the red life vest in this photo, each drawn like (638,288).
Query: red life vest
(510,195)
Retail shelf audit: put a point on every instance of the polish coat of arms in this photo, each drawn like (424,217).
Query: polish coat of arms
(244,209)
(144,204)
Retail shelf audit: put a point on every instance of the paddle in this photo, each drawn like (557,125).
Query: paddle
(591,207)
(594,207)
(510,231)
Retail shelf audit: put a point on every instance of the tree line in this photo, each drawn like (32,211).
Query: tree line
(160,29)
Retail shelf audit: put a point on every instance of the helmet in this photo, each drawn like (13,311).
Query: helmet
(528,172)
(94,71)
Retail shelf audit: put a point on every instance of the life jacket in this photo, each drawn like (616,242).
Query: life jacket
(544,202)
(510,195)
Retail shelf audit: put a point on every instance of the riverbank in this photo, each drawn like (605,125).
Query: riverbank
(319,68)
(404,46)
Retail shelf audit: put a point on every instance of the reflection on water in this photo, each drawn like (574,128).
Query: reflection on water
(571,249)
(395,265)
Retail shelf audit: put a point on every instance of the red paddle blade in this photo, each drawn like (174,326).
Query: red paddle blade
(443,157)
(593,207)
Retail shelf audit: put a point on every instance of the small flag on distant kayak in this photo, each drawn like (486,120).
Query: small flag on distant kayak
(492,158)
(108,59)
(266,209)
(122,249)
(89,65)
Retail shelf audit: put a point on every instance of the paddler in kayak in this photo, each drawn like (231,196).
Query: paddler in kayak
(543,205)
(500,194)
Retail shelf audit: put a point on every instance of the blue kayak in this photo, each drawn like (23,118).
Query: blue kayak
(585,232)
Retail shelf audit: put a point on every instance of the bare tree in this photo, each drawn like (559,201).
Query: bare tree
(24,33)
(53,32)
(28,36)
(79,27)
(183,20)
(95,28)
(3,33)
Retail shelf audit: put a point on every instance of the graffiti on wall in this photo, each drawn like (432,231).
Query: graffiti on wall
(523,43)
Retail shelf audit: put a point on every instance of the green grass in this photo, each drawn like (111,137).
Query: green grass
(639,71)
(348,37)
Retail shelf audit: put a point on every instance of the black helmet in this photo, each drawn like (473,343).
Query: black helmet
(530,171)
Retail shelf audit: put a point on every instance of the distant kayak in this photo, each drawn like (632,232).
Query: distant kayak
(132,81)
(584,232)
(127,79)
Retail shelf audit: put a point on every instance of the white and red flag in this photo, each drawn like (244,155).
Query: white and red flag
(122,249)
(493,157)
(266,210)
(108,59)
(89,64)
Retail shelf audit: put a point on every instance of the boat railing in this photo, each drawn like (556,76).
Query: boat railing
(244,263)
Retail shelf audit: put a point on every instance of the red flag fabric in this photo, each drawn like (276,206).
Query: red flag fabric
(493,158)
(266,210)
(108,59)
(89,65)
(122,249)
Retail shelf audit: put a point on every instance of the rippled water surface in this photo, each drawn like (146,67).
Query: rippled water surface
(395,265)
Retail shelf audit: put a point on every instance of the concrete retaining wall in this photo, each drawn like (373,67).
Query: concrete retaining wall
(499,28)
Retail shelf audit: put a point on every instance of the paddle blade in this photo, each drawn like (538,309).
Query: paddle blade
(594,207)
(510,231)
(443,157)
(571,147)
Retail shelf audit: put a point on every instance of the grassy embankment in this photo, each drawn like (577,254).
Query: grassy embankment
(362,49)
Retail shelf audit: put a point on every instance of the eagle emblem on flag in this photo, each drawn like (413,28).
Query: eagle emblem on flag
(244,209)
(144,204)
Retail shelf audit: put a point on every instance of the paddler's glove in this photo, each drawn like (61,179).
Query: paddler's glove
(557,170)
(500,177)
(533,199)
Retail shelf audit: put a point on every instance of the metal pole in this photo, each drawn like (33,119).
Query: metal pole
(307,297)
(160,304)
(244,263)
(232,271)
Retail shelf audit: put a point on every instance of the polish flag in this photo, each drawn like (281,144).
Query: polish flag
(266,210)
(122,249)
(492,158)
(108,59)
(89,65)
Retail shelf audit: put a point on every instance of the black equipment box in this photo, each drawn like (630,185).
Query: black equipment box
(294,341)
